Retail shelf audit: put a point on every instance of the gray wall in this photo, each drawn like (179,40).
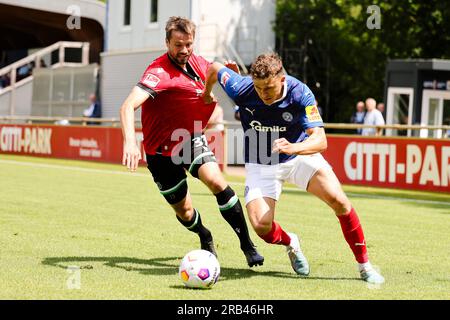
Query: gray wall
(23,99)
(244,24)
(119,74)
(140,33)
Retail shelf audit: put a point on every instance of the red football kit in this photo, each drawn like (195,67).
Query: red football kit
(175,102)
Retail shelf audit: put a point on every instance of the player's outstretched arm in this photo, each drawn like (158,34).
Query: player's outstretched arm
(131,152)
(211,79)
(316,143)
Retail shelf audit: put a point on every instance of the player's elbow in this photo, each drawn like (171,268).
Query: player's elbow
(125,109)
(323,145)
(213,70)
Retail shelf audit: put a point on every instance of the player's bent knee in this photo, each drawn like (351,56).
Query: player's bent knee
(207,166)
(261,228)
(341,205)
(217,185)
(173,197)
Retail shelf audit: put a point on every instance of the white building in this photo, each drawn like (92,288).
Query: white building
(135,35)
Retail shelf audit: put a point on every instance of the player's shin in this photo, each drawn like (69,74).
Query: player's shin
(195,225)
(354,235)
(231,210)
(276,235)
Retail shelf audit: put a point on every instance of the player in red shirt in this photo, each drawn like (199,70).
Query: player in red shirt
(172,107)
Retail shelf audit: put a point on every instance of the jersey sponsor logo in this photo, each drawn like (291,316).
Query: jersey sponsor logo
(151,80)
(312,113)
(251,111)
(287,116)
(224,78)
(256,125)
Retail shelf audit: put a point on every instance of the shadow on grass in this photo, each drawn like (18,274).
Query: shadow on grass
(167,266)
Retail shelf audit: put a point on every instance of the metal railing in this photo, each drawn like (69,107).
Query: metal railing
(115,122)
(36,58)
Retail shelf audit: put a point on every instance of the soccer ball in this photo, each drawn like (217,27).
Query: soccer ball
(199,269)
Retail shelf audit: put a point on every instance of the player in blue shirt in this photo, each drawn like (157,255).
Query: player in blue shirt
(284,138)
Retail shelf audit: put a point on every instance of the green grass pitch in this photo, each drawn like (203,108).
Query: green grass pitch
(120,232)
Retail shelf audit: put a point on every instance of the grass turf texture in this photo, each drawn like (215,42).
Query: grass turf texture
(124,237)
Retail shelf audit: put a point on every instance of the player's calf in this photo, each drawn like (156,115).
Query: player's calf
(231,209)
(195,225)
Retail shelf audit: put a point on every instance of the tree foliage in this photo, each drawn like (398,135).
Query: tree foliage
(327,44)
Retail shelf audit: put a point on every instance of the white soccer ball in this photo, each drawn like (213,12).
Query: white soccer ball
(199,269)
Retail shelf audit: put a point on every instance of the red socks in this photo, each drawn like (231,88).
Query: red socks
(351,228)
(277,235)
(353,234)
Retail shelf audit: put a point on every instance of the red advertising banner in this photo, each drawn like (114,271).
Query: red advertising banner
(420,164)
(70,142)
(93,143)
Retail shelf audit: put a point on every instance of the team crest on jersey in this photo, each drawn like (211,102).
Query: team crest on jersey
(151,80)
(287,116)
(224,78)
(312,113)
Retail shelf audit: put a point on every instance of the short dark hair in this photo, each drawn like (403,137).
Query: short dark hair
(266,65)
(179,24)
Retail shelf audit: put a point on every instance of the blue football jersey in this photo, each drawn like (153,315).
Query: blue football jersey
(287,118)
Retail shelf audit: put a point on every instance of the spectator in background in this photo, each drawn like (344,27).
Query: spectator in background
(447,123)
(5,81)
(380,107)
(24,71)
(43,64)
(373,117)
(358,115)
(94,110)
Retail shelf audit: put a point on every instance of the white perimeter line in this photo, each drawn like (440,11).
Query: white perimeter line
(135,174)
(70,168)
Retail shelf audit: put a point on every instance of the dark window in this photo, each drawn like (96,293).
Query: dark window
(153,11)
(127,13)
